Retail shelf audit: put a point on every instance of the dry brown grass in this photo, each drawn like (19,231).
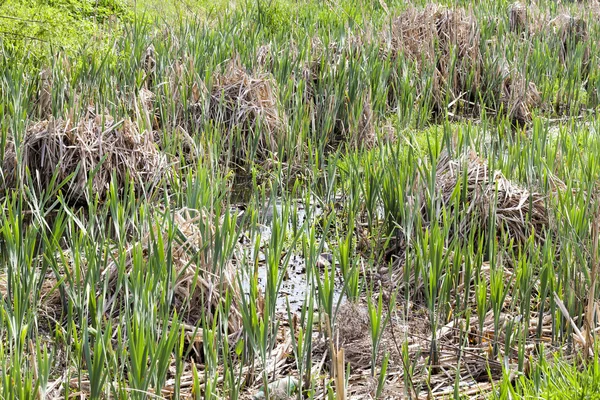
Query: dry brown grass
(518,97)
(246,107)
(446,41)
(198,289)
(573,32)
(92,151)
(518,212)
(517,17)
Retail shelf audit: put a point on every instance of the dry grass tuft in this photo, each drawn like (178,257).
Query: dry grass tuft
(517,18)
(518,212)
(573,32)
(518,97)
(198,289)
(447,41)
(8,172)
(92,151)
(245,104)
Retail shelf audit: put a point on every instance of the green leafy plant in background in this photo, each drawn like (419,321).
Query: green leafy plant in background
(39,28)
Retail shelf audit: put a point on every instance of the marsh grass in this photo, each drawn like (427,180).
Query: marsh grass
(440,202)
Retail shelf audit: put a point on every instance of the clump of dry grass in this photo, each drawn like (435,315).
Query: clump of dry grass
(198,288)
(93,151)
(355,128)
(517,17)
(8,172)
(518,97)
(197,291)
(246,104)
(518,212)
(573,32)
(446,41)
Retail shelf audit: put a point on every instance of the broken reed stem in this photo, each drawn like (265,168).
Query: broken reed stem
(578,336)
(331,344)
(340,381)
(589,323)
(337,363)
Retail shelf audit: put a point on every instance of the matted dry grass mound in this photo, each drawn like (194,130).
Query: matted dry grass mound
(92,151)
(518,97)
(244,104)
(8,172)
(573,32)
(518,212)
(443,40)
(517,17)
(197,291)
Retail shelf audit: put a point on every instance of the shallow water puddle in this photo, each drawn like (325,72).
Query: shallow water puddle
(294,286)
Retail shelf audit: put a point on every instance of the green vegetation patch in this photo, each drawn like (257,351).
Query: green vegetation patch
(39,26)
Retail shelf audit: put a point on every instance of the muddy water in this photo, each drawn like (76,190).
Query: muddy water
(295,287)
